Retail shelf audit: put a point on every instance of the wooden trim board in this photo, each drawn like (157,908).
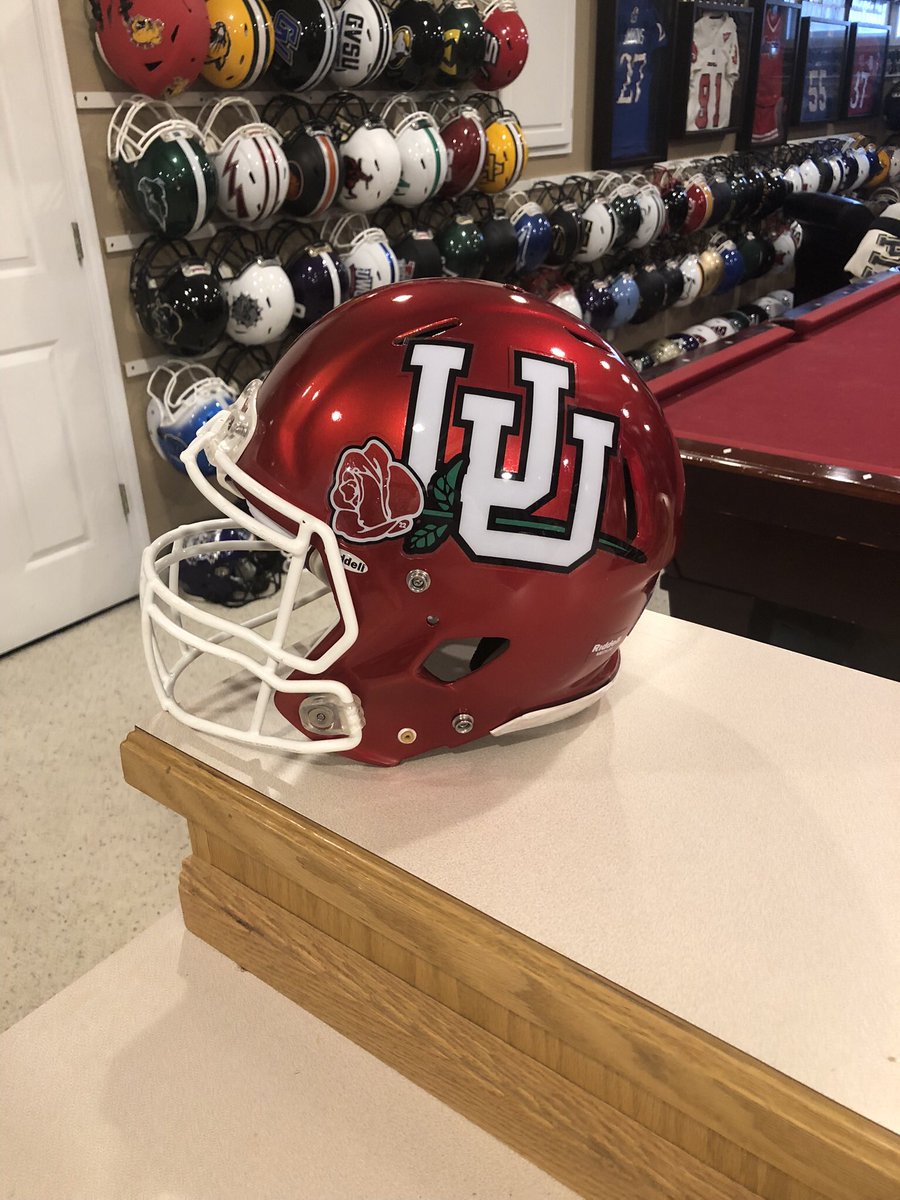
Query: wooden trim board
(746,1122)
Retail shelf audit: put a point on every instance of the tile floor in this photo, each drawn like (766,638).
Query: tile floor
(85,861)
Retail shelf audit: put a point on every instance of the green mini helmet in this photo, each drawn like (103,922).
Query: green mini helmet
(163,171)
(462,247)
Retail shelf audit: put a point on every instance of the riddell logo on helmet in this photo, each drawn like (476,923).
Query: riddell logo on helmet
(493,513)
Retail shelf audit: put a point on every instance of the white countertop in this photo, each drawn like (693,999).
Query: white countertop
(719,835)
(167,1073)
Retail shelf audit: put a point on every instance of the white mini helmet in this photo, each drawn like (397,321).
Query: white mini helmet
(865,167)
(704,334)
(894,170)
(837,172)
(259,293)
(793,178)
(692,273)
(250,164)
(423,156)
(810,176)
(599,230)
(371,168)
(182,397)
(363,43)
(364,251)
(563,296)
(653,214)
(785,251)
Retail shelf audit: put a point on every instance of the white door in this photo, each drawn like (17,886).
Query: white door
(67,550)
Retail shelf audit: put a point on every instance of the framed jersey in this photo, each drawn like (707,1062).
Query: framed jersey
(771,73)
(819,81)
(633,76)
(712,68)
(867,59)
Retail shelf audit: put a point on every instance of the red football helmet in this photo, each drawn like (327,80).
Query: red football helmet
(487,490)
(505,45)
(157,47)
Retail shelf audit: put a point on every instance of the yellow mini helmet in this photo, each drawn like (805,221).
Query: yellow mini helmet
(506,156)
(879,177)
(241,42)
(713,266)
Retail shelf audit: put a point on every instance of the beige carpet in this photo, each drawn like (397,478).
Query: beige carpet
(85,861)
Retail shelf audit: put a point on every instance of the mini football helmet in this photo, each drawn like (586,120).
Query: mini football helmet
(259,293)
(505,45)
(564,297)
(370,158)
(182,397)
(365,252)
(720,326)
(460,242)
(881,168)
(534,233)
(686,342)
(640,360)
(624,290)
(598,304)
(752,253)
(775,191)
(622,200)
(692,275)
(464,41)
(663,351)
(703,333)
(319,279)
(564,216)
(444,549)
(165,175)
(700,203)
(675,200)
(507,150)
(785,251)
(894,173)
(423,155)
(733,271)
(810,175)
(462,132)
(651,286)
(178,297)
(363,43)
(157,49)
(417,44)
(501,246)
(305,43)
(713,266)
(314,165)
(418,254)
(653,214)
(225,568)
(722,190)
(254,179)
(793,178)
(674,281)
(241,42)
(599,229)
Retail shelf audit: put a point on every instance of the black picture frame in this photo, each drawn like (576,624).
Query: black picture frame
(773,64)
(712,102)
(821,70)
(640,78)
(864,81)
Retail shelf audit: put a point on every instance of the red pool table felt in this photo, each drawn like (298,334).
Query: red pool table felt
(825,391)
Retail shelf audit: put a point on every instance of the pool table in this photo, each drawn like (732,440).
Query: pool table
(790,438)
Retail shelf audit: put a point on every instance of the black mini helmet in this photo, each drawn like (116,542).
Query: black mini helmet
(626,210)
(305,43)
(319,279)
(775,191)
(597,301)
(178,297)
(675,199)
(751,251)
(673,280)
(651,284)
(229,575)
(566,224)
(743,195)
(464,41)
(418,253)
(500,244)
(851,169)
(892,108)
(757,185)
(314,164)
(417,44)
(721,187)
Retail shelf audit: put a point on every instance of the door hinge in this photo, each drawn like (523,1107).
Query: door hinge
(123,496)
(79,249)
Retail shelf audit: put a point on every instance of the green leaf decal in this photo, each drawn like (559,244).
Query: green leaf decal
(425,536)
(446,485)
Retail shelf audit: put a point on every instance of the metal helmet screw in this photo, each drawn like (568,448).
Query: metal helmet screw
(418,581)
(407,736)
(463,723)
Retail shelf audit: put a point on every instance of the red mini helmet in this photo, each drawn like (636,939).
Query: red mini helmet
(486,487)
(462,132)
(157,47)
(505,45)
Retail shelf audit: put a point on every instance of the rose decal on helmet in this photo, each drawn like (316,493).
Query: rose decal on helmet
(373,496)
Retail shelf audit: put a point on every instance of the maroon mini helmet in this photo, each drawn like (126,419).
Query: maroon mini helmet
(156,47)
(505,45)
(700,203)
(462,132)
(486,489)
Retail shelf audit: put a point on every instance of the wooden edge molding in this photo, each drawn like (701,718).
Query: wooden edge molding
(578,1139)
(776,1137)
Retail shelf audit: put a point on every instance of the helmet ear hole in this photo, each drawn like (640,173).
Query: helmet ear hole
(454,660)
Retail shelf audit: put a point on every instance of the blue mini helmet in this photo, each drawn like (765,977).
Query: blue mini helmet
(182,398)
(627,297)
(534,233)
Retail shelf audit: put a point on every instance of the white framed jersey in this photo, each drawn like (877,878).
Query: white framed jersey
(715,71)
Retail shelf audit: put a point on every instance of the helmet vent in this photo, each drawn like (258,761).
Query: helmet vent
(454,660)
(582,335)
(630,506)
(427,331)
